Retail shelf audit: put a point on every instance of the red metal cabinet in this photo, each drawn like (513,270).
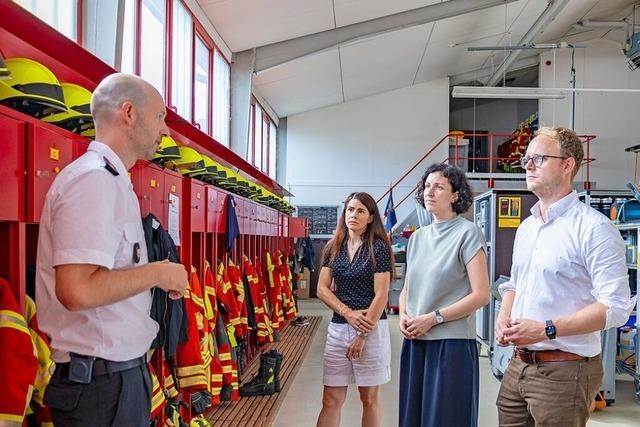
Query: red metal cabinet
(252,216)
(297,227)
(240,214)
(283,226)
(80,147)
(261,220)
(198,206)
(47,154)
(172,185)
(12,190)
(212,209)
(148,184)
(221,213)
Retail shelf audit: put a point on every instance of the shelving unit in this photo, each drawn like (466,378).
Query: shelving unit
(602,200)
(631,234)
(396,287)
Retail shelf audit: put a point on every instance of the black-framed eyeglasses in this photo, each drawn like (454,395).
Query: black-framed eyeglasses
(537,159)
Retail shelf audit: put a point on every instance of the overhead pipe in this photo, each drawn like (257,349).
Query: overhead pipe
(553,8)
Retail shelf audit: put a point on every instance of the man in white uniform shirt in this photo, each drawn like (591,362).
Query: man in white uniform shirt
(568,282)
(93,278)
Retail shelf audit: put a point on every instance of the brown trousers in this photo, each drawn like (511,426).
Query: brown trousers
(548,394)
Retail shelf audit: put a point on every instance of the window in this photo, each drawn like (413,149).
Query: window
(257,139)
(60,14)
(152,55)
(265,143)
(128,64)
(272,150)
(201,91)
(252,114)
(221,99)
(181,89)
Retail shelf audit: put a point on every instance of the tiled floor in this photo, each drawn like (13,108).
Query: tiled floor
(303,401)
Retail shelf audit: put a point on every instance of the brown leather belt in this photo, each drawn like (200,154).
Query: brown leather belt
(528,356)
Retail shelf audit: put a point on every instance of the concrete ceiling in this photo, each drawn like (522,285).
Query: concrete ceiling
(394,59)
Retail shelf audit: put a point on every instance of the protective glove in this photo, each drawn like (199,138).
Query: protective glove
(200,401)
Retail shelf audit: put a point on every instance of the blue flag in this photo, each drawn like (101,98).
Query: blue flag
(389,214)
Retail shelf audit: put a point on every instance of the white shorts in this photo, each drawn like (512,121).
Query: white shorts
(372,368)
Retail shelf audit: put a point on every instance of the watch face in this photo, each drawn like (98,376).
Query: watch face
(439,319)
(550,330)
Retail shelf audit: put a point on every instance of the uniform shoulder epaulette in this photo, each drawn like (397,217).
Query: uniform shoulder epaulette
(109,167)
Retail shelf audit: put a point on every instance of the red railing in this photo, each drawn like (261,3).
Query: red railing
(490,159)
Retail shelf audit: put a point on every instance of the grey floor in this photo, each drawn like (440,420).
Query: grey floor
(303,401)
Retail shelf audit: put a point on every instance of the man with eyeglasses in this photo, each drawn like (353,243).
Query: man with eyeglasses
(568,282)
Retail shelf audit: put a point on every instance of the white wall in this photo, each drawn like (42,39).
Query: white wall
(612,117)
(366,144)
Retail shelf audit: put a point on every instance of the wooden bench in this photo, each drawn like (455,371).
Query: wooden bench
(260,411)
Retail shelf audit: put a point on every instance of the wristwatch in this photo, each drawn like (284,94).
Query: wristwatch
(362,334)
(550,330)
(439,318)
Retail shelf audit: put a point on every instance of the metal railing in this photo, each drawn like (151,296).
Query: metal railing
(490,162)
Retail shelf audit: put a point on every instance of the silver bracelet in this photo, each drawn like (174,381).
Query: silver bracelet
(362,334)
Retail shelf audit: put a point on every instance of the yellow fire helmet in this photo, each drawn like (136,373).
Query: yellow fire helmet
(167,150)
(32,89)
(190,162)
(210,171)
(77,118)
(5,74)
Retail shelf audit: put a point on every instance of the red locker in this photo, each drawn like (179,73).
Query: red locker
(47,153)
(283,226)
(148,183)
(221,213)
(80,147)
(252,216)
(12,190)
(297,227)
(240,213)
(172,185)
(262,220)
(198,207)
(211,211)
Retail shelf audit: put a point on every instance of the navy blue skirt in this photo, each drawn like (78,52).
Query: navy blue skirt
(439,382)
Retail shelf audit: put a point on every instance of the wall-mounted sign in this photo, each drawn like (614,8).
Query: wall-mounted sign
(509,212)
(322,219)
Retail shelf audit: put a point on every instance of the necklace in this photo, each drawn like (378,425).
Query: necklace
(353,248)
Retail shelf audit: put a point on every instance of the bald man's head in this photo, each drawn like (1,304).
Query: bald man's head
(114,91)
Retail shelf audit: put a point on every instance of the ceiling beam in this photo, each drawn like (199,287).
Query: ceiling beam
(481,73)
(274,54)
(553,8)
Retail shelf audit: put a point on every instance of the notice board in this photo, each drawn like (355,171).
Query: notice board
(322,219)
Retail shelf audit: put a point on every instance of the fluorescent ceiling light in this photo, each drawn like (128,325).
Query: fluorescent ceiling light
(507,92)
(561,45)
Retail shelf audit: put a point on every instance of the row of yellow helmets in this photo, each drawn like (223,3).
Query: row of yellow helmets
(31,88)
(190,163)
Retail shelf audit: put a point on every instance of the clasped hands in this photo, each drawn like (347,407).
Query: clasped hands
(519,332)
(413,327)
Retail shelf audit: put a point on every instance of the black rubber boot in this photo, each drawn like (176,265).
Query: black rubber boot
(264,382)
(279,357)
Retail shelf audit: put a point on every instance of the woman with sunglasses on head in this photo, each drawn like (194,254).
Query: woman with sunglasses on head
(446,282)
(359,261)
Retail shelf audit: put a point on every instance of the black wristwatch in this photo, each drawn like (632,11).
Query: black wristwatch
(550,330)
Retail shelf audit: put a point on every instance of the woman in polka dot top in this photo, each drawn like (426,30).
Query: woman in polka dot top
(358,260)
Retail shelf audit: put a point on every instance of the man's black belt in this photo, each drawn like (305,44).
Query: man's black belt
(104,367)
(107,367)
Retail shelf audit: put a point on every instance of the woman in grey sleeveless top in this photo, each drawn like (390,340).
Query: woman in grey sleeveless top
(446,282)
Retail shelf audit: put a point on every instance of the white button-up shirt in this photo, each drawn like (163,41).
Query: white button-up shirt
(91,216)
(559,267)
